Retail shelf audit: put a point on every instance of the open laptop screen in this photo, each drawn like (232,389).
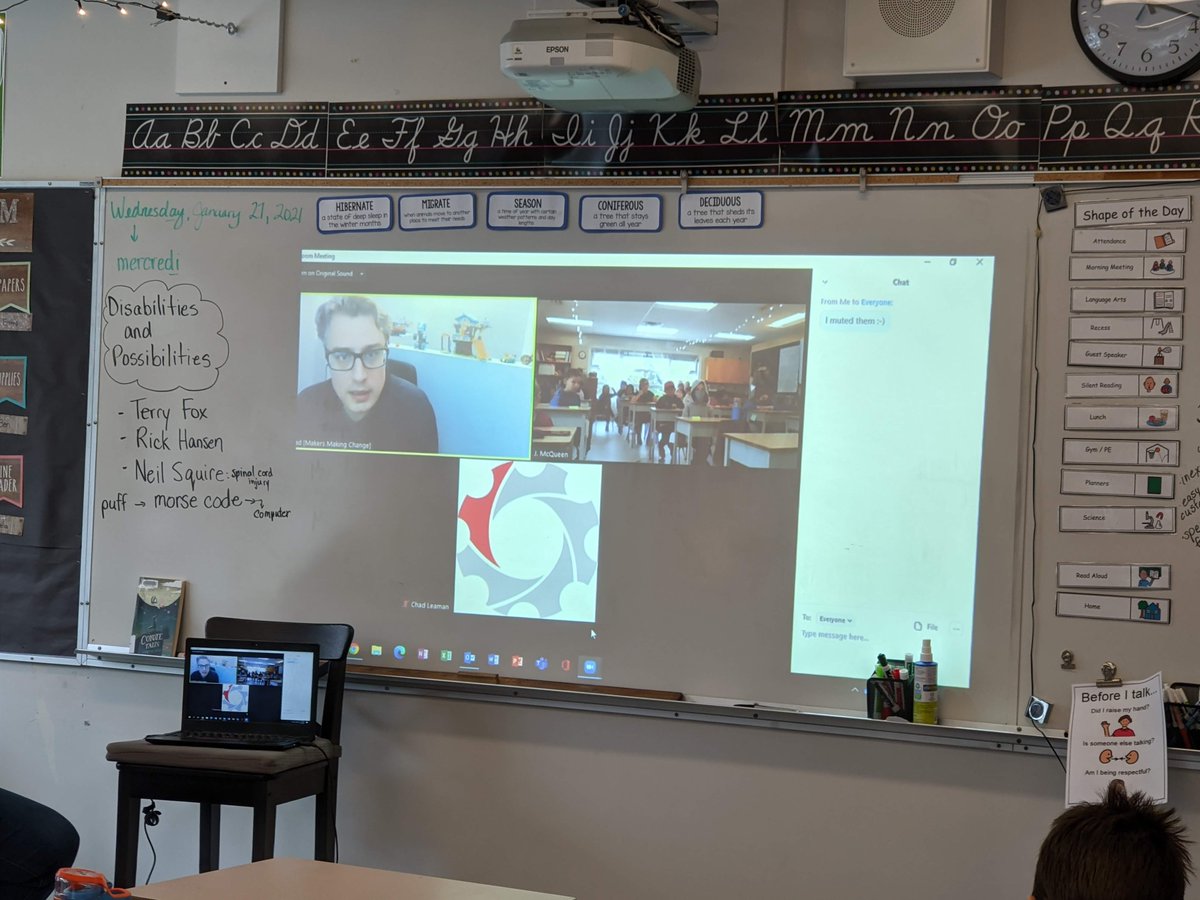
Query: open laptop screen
(252,684)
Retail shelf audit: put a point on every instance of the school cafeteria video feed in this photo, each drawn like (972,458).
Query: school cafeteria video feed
(670,382)
(413,374)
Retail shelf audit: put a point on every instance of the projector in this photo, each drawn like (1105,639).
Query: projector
(579,64)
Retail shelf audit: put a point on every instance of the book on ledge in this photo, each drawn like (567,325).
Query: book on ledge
(156,616)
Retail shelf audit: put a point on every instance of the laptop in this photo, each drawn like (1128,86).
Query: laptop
(256,695)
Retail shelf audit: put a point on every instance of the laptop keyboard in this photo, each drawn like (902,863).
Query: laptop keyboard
(240,737)
(229,739)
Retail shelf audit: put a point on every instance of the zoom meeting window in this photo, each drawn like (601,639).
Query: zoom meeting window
(241,686)
(824,413)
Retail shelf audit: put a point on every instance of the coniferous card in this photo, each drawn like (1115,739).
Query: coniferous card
(157,613)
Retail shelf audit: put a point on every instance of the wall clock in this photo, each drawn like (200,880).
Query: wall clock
(1139,43)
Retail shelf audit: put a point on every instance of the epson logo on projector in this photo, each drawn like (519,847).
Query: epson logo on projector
(557,48)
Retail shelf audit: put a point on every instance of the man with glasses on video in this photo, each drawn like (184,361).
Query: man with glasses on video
(361,405)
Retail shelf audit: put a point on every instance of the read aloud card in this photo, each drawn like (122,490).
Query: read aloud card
(1143,576)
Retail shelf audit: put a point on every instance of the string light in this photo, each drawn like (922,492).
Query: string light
(162,12)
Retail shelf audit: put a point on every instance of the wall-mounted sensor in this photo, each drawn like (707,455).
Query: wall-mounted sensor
(1037,709)
(1054,198)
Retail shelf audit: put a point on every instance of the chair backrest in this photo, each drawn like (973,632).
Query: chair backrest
(334,640)
(402,369)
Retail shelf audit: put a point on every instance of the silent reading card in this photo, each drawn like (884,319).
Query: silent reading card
(1117,732)
(156,616)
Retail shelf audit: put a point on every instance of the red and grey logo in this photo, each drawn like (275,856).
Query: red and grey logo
(528,540)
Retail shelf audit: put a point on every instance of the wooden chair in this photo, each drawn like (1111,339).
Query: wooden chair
(260,779)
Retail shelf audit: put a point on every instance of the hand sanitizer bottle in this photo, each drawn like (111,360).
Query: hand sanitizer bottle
(925,688)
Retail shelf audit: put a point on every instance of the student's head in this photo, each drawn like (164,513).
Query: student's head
(355,335)
(1121,848)
(669,387)
(643,385)
(700,391)
(573,383)
(203,665)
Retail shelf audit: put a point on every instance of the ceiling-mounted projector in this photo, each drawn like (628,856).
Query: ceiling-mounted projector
(579,64)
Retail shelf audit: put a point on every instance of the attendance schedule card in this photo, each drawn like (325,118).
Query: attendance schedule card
(1117,732)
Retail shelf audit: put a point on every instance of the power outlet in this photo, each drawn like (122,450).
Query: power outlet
(1038,710)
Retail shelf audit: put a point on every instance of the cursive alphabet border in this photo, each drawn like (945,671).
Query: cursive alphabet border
(1010,129)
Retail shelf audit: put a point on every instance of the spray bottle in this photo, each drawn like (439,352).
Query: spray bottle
(925,689)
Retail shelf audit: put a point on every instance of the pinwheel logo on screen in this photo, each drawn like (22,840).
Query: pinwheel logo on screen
(528,540)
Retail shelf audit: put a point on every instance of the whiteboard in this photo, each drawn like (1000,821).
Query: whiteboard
(791,361)
(697,576)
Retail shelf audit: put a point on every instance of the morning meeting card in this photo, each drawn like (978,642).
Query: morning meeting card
(1117,732)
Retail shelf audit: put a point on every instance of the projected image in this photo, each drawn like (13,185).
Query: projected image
(247,686)
(213,669)
(265,671)
(528,540)
(389,373)
(890,488)
(854,385)
(235,698)
(671,382)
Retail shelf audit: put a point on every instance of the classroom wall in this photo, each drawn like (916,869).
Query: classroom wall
(587,804)
(71,76)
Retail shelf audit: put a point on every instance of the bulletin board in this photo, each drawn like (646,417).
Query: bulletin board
(46,260)
(1117,434)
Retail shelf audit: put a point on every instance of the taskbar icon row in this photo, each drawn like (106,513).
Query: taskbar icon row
(586,667)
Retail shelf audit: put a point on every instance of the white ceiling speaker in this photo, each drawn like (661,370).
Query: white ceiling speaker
(923,37)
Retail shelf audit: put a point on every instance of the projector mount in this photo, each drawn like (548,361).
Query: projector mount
(677,23)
